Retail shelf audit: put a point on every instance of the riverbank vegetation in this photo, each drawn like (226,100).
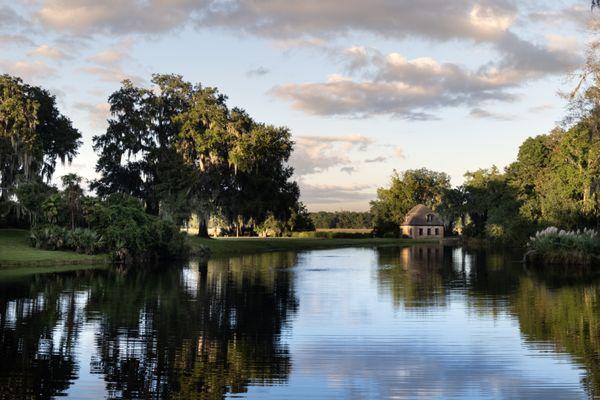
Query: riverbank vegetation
(554,246)
(341,220)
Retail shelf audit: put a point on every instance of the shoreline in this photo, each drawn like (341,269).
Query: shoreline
(15,252)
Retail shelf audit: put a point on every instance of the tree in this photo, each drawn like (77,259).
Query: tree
(33,134)
(137,147)
(241,166)
(73,194)
(204,141)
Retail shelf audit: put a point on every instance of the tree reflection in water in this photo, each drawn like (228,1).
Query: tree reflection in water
(561,309)
(198,332)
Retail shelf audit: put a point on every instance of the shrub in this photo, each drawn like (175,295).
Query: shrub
(554,246)
(48,237)
(120,226)
(332,235)
(132,235)
(84,241)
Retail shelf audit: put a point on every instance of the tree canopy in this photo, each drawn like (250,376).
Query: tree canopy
(33,134)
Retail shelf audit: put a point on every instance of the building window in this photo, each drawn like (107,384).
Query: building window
(410,231)
(420,231)
(429,217)
(437,231)
(428,231)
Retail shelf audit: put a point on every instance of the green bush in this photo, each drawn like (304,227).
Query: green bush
(49,237)
(118,225)
(52,237)
(132,235)
(554,246)
(332,235)
(85,241)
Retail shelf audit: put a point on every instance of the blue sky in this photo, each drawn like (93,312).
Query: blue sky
(365,87)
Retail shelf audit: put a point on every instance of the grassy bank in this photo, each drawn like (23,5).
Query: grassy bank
(227,246)
(16,252)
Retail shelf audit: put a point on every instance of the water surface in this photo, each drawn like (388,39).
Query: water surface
(390,323)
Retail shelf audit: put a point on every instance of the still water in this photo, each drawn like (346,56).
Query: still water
(417,322)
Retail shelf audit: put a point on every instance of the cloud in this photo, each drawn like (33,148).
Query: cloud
(314,154)
(541,108)
(399,153)
(27,70)
(282,19)
(379,159)
(97,113)
(115,54)
(415,89)
(15,40)
(258,71)
(85,17)
(388,18)
(10,19)
(49,52)
(348,170)
(576,14)
(485,114)
(331,194)
(111,74)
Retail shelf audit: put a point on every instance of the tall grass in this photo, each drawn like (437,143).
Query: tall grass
(555,246)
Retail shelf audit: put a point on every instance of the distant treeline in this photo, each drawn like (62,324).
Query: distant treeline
(341,220)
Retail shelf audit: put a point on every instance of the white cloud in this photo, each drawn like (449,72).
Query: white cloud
(27,70)
(115,54)
(314,154)
(49,52)
(481,113)
(15,40)
(111,74)
(332,194)
(97,113)
(415,89)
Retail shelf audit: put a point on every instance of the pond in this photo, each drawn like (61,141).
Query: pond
(423,321)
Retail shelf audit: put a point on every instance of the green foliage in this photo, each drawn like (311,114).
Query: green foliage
(84,240)
(493,208)
(52,237)
(130,234)
(341,220)
(179,149)
(300,220)
(31,195)
(33,134)
(332,235)
(49,237)
(52,208)
(555,246)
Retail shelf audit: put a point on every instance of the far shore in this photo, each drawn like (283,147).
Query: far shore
(16,253)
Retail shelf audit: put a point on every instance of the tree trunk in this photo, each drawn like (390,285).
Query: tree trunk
(203,218)
(152,207)
(202,226)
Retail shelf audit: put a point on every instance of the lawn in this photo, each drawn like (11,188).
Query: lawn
(226,246)
(15,251)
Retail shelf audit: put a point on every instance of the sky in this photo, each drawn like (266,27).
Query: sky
(366,87)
